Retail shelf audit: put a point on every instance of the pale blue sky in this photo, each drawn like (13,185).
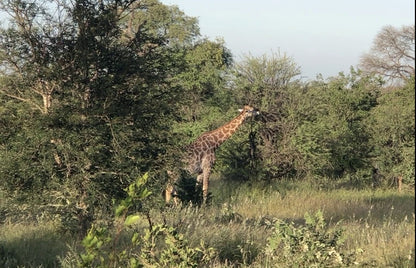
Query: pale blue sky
(322,36)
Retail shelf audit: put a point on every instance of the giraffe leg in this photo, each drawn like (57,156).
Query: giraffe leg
(202,180)
(170,190)
(205,183)
(199,181)
(169,193)
(207,163)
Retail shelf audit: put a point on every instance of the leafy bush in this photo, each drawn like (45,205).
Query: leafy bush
(164,247)
(188,190)
(392,125)
(312,245)
(158,246)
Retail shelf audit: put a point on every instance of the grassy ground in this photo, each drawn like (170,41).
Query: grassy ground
(381,223)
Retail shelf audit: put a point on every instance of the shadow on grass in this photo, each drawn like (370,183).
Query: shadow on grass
(30,246)
(377,208)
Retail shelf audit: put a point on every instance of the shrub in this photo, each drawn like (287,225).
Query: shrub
(158,246)
(189,191)
(164,247)
(311,245)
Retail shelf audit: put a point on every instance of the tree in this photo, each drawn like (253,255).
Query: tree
(108,72)
(392,128)
(263,82)
(330,137)
(28,53)
(393,54)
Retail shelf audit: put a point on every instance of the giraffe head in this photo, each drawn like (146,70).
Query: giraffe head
(249,111)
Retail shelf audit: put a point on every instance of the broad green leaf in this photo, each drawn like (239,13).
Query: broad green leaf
(131,219)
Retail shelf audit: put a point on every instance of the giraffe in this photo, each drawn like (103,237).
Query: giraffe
(200,154)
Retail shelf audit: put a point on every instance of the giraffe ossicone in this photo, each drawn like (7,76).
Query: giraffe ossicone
(200,154)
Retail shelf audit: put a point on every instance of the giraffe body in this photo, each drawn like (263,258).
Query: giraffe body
(200,155)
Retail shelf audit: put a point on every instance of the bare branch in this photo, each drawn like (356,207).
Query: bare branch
(392,55)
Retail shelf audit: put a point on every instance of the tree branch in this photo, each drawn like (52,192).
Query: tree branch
(36,106)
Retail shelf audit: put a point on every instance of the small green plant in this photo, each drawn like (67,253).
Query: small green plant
(94,243)
(311,245)
(158,246)
(101,243)
(165,247)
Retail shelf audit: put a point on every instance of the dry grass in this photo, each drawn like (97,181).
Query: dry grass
(381,223)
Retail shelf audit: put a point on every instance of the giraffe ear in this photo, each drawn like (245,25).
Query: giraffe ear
(240,110)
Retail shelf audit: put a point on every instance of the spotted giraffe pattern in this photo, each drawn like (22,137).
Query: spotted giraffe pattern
(200,155)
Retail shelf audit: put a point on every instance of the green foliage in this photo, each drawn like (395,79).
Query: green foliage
(263,80)
(392,125)
(331,137)
(203,80)
(188,191)
(100,243)
(168,23)
(89,97)
(136,194)
(264,83)
(312,245)
(93,94)
(158,246)
(379,221)
(165,247)
(93,243)
(314,128)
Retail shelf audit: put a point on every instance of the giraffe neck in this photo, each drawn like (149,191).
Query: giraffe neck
(223,133)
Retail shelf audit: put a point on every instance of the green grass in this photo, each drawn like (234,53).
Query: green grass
(31,245)
(379,223)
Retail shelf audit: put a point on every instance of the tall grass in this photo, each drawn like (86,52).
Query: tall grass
(379,224)
(32,245)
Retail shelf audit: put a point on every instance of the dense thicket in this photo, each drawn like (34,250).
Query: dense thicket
(95,94)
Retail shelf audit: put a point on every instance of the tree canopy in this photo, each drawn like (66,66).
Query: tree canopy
(393,54)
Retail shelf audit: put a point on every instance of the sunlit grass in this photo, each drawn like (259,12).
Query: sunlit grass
(391,244)
(380,224)
(254,201)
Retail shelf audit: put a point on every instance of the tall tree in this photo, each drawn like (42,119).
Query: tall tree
(392,55)
(264,82)
(330,135)
(27,53)
(107,72)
